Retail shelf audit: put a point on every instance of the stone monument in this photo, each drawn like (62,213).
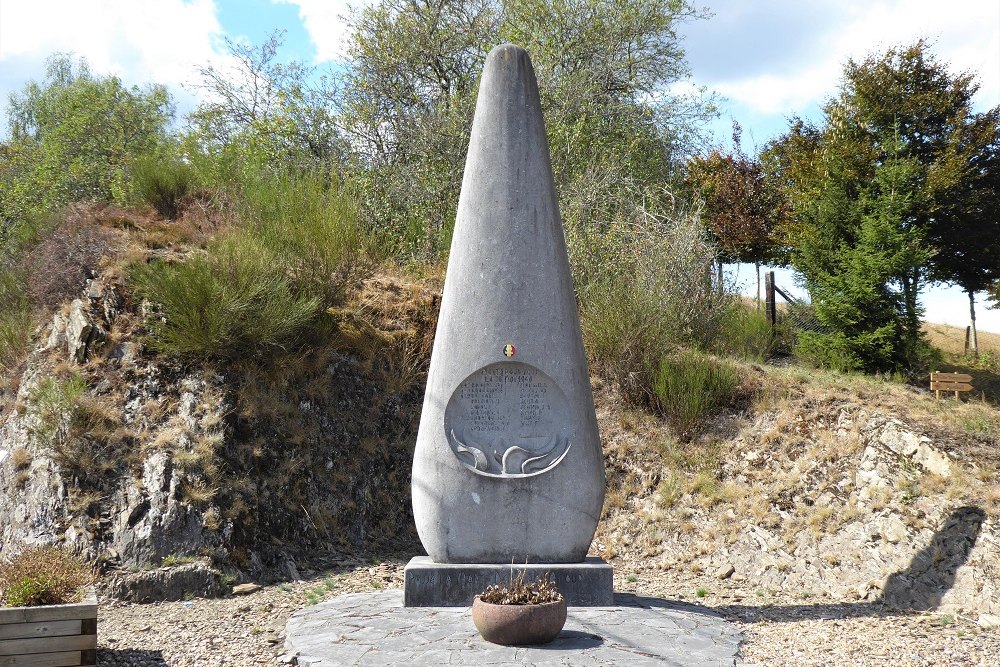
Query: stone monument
(508,465)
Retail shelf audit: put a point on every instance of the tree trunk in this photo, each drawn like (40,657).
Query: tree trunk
(718,268)
(757,266)
(972,314)
(911,322)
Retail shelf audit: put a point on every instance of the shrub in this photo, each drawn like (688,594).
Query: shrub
(43,576)
(16,320)
(744,332)
(163,184)
(54,402)
(690,386)
(646,288)
(61,259)
(309,224)
(235,301)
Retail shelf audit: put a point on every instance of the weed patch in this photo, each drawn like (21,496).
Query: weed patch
(234,302)
(163,184)
(43,576)
(691,386)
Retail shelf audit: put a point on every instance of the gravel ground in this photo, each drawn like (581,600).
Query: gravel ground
(780,630)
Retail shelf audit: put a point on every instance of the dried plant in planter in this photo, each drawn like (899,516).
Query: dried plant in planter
(537,592)
(43,576)
(520,614)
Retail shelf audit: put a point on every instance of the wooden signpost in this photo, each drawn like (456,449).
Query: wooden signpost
(955,382)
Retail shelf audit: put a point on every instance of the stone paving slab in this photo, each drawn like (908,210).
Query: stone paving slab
(376,629)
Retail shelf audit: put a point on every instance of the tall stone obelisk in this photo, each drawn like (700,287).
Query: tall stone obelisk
(508,464)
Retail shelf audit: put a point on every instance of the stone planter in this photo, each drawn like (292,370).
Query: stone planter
(519,624)
(58,635)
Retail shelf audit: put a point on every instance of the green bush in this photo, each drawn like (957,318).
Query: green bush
(236,300)
(646,289)
(163,184)
(54,402)
(836,352)
(310,225)
(16,320)
(689,387)
(43,576)
(32,592)
(744,333)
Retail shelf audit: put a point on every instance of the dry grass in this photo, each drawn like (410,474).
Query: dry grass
(951,340)
(197,492)
(20,458)
(43,576)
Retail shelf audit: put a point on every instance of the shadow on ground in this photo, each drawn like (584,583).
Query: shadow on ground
(921,586)
(113,657)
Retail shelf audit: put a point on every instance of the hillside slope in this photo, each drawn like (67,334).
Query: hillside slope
(844,488)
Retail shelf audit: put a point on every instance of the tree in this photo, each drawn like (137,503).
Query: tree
(744,212)
(407,107)
(73,137)
(410,93)
(874,191)
(280,112)
(967,251)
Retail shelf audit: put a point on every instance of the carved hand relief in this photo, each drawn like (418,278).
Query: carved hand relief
(508,419)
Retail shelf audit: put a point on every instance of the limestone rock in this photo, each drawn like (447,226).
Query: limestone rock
(166,583)
(82,332)
(246,589)
(893,435)
(57,333)
(988,621)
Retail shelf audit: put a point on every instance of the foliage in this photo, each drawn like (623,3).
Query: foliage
(73,137)
(16,321)
(645,288)
(262,109)
(410,92)
(745,212)
(263,285)
(54,402)
(689,387)
(233,302)
(744,332)
(540,591)
(407,107)
(163,183)
(43,576)
(605,86)
(311,226)
(64,253)
(871,189)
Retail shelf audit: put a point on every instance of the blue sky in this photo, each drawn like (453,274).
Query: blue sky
(768,59)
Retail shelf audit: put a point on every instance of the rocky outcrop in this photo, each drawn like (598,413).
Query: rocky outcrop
(178,582)
(134,460)
(832,501)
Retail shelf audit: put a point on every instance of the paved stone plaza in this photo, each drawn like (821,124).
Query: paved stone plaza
(376,629)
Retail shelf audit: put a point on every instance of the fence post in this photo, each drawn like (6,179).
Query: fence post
(769,305)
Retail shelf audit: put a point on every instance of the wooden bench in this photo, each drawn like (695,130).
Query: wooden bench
(955,382)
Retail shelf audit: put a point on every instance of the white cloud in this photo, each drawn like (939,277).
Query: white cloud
(326,23)
(139,40)
(965,34)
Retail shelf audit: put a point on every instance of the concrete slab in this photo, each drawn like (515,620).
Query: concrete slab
(430,584)
(637,631)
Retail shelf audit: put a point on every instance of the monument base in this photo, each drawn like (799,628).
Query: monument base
(430,584)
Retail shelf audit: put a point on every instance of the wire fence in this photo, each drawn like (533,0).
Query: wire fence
(798,313)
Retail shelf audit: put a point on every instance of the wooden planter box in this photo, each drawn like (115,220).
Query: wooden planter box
(61,635)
